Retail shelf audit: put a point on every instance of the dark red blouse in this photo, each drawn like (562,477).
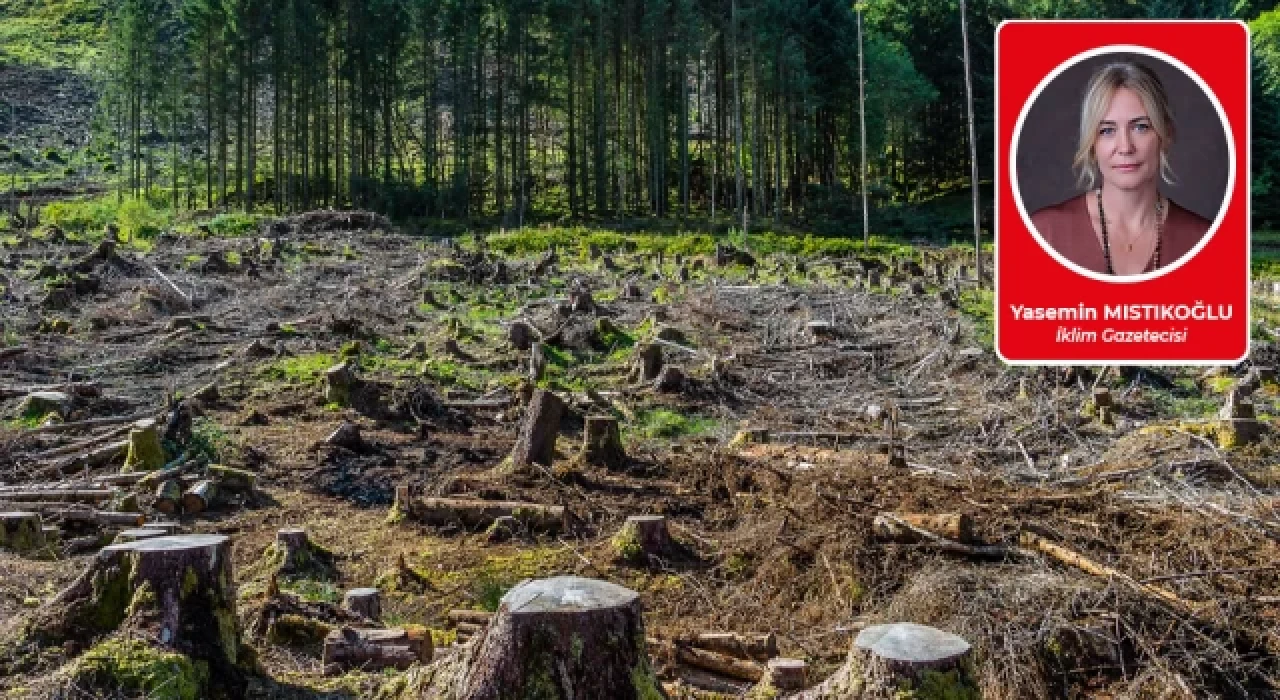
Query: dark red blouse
(1066,227)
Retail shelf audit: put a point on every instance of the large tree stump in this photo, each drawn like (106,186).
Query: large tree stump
(145,451)
(889,661)
(21,531)
(366,602)
(602,442)
(556,638)
(537,439)
(175,591)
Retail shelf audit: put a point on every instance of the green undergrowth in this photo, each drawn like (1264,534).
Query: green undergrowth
(134,668)
(483,584)
(52,33)
(979,306)
(656,423)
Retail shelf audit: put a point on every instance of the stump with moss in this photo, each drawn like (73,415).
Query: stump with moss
(602,442)
(294,555)
(641,537)
(21,531)
(176,591)
(901,660)
(341,384)
(146,454)
(557,638)
(366,602)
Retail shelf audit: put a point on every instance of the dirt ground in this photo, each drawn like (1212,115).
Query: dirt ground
(773,537)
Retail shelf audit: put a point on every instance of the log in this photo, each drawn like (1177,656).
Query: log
(199,497)
(364,601)
(946,545)
(9,353)
(232,480)
(722,664)
(587,635)
(21,531)
(372,650)
(475,617)
(168,497)
(953,526)
(602,442)
(537,439)
(1033,541)
(889,661)
(480,514)
(97,517)
(61,495)
(755,648)
(88,460)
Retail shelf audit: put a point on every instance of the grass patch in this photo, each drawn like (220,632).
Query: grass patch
(303,369)
(208,439)
(664,423)
(52,33)
(979,306)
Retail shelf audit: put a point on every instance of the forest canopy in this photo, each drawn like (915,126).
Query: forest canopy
(519,108)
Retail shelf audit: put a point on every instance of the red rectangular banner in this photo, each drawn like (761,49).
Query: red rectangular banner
(1122,192)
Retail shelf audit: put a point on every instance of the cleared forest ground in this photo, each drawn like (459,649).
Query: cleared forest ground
(811,403)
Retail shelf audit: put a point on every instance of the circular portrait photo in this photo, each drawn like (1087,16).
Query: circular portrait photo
(1121,164)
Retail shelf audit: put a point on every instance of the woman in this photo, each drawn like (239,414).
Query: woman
(1122,225)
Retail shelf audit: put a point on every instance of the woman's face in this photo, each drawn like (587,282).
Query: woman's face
(1128,149)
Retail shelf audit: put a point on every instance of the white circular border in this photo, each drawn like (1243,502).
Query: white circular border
(1231,163)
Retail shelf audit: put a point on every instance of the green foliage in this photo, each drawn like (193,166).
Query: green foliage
(139,219)
(665,423)
(979,306)
(300,369)
(234,225)
(208,439)
(81,215)
(51,33)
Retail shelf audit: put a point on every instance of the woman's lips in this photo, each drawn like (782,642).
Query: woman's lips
(1126,168)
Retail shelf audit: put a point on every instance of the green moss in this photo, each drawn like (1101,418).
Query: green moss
(134,667)
(645,683)
(144,597)
(665,423)
(626,544)
(297,631)
(303,369)
(938,685)
(189,582)
(112,593)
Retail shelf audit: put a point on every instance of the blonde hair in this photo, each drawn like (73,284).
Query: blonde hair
(1097,98)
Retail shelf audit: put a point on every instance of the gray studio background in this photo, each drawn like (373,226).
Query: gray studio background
(1049,135)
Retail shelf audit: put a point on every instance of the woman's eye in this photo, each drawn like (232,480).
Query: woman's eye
(1107,130)
(1142,128)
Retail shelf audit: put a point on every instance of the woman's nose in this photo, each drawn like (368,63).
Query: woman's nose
(1126,142)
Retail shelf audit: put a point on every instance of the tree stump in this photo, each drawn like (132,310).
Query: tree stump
(146,454)
(890,661)
(556,638)
(642,536)
(873,279)
(788,674)
(537,439)
(174,590)
(42,403)
(670,379)
(21,531)
(340,384)
(650,362)
(521,335)
(602,442)
(364,601)
(347,435)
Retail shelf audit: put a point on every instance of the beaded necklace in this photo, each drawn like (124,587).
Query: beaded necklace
(1154,262)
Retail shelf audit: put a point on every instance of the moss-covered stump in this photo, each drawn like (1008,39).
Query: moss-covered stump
(21,531)
(174,590)
(556,638)
(889,662)
(641,537)
(341,384)
(294,555)
(146,454)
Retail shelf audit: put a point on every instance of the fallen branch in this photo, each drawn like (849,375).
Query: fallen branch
(992,551)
